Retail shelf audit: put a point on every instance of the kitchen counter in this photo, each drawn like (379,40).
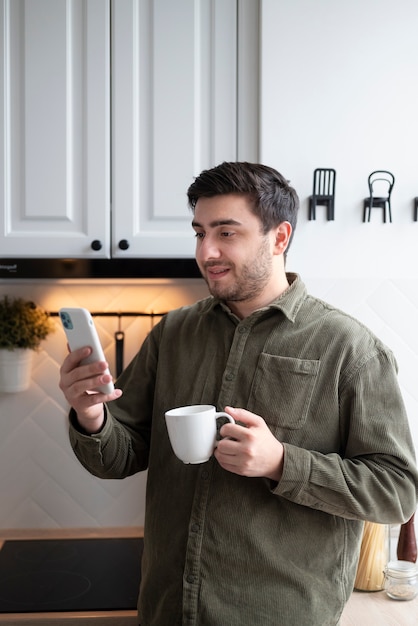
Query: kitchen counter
(363,608)
(376,609)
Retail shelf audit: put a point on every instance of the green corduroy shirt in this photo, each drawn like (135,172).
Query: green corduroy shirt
(225,550)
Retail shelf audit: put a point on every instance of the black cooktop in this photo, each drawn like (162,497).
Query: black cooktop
(69,575)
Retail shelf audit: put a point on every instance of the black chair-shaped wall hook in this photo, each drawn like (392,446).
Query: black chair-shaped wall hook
(323,192)
(380,189)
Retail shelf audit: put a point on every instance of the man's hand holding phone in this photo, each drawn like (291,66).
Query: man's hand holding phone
(85,379)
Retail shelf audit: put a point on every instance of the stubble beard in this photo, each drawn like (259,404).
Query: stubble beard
(252,279)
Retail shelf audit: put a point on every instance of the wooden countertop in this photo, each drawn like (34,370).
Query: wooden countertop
(70,533)
(363,608)
(376,609)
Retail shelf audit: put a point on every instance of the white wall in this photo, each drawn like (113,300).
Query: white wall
(339,89)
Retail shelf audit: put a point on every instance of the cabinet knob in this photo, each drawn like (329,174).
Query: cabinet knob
(123,244)
(96,244)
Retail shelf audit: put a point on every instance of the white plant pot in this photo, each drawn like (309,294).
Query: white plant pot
(15,370)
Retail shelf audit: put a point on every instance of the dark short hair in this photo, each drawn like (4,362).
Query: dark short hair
(274,200)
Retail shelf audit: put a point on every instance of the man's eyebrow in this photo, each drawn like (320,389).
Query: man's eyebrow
(215,223)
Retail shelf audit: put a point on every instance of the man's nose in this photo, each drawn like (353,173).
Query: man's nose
(208,249)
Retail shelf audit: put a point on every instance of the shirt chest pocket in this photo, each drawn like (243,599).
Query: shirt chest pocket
(282,390)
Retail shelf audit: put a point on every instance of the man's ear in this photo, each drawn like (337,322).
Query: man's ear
(283,233)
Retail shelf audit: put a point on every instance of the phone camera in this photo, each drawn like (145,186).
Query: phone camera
(66,321)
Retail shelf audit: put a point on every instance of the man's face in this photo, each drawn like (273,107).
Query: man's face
(233,255)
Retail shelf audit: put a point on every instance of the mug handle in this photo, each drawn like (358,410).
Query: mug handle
(228,417)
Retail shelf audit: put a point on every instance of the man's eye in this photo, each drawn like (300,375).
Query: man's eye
(226,233)
(199,235)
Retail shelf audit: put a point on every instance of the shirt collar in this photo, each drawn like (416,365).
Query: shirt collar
(290,301)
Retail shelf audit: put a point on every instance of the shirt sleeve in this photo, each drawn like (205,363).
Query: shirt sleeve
(121,448)
(109,453)
(374,477)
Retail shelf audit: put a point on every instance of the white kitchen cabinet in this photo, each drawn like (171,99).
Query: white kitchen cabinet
(54,127)
(108,110)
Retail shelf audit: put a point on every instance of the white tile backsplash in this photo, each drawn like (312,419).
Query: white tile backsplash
(41,483)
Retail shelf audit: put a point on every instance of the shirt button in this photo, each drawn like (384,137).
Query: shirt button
(195,528)
(242,329)
(204,475)
(191,579)
(230,376)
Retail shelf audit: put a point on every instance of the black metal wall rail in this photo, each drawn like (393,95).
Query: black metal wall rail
(119,314)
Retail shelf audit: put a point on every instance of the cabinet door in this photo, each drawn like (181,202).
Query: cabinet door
(54,128)
(174,112)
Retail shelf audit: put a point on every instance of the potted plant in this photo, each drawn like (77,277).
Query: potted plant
(23,326)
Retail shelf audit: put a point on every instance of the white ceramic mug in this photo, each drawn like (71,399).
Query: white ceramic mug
(192,431)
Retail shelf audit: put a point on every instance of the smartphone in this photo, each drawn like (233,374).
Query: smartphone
(80,331)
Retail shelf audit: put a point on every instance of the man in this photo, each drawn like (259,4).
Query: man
(267,532)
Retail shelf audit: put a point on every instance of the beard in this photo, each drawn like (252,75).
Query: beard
(250,281)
